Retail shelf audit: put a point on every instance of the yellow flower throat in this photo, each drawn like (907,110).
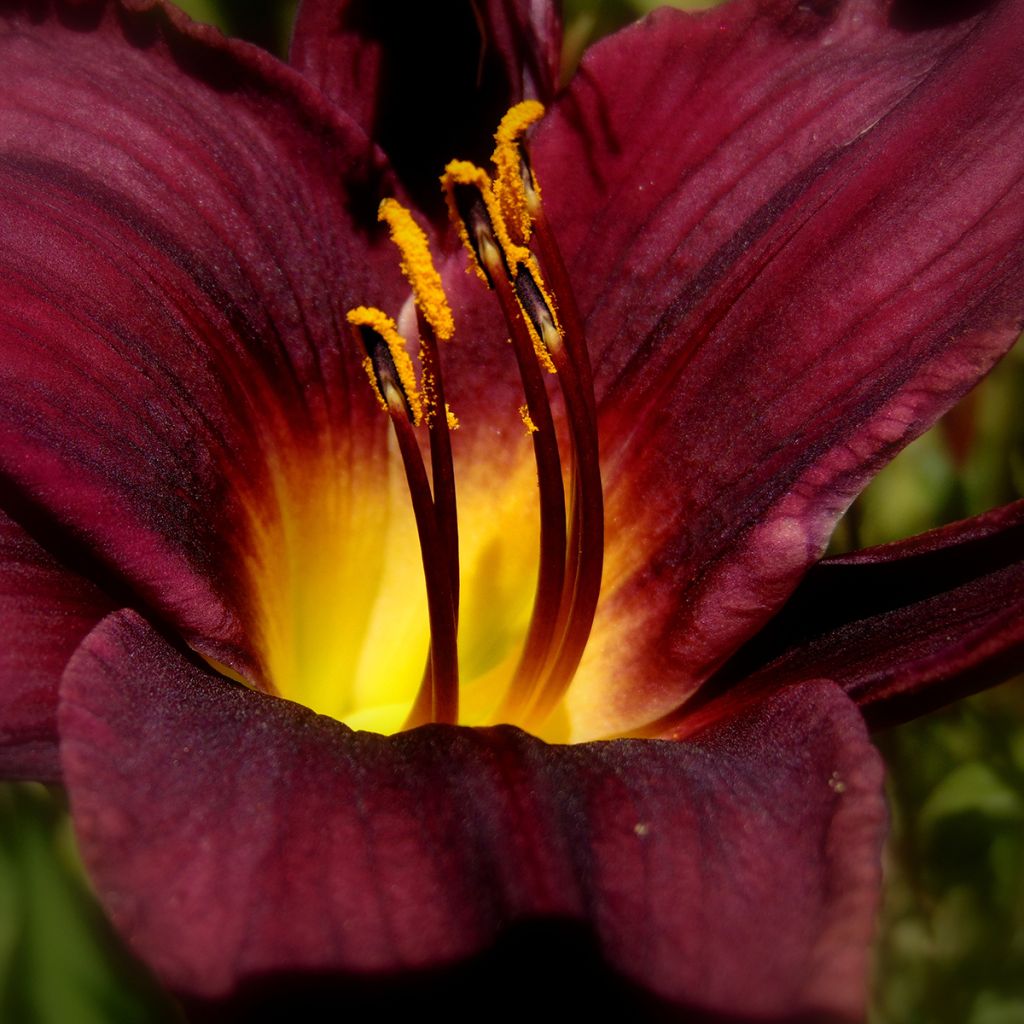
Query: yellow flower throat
(526,630)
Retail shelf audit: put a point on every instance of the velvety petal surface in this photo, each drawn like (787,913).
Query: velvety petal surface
(45,611)
(903,628)
(183,223)
(233,836)
(429,82)
(796,235)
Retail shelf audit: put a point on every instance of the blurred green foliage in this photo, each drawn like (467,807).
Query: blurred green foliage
(951,947)
(951,943)
(60,962)
(268,23)
(951,939)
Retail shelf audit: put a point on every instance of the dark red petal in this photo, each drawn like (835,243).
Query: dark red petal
(429,82)
(183,223)
(45,611)
(234,836)
(796,234)
(902,628)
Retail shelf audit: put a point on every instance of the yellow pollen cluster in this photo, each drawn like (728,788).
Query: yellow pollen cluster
(540,350)
(418,267)
(518,257)
(508,180)
(383,325)
(524,414)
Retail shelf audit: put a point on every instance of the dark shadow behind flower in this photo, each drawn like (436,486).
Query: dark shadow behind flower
(794,231)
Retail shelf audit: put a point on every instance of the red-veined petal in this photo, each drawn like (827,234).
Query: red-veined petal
(903,628)
(183,223)
(235,837)
(45,611)
(795,232)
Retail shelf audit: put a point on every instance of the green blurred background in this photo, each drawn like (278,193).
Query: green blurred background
(951,941)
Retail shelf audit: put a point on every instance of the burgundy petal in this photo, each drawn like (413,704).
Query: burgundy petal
(903,628)
(45,611)
(429,82)
(233,835)
(795,231)
(183,223)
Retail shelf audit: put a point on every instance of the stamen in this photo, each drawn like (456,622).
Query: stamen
(401,374)
(586,542)
(481,230)
(390,371)
(510,184)
(541,632)
(435,322)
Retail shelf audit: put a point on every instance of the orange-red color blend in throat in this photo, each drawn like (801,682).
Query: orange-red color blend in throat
(494,627)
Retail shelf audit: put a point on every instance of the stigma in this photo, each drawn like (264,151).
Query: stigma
(500,219)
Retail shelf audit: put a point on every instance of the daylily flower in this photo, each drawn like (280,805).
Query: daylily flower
(793,236)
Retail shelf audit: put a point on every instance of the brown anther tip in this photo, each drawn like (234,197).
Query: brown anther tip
(535,304)
(530,191)
(479,230)
(389,381)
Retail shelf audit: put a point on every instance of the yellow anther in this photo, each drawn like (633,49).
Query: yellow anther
(461,172)
(418,267)
(381,324)
(453,420)
(508,169)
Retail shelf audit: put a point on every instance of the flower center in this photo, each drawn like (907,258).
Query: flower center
(511,247)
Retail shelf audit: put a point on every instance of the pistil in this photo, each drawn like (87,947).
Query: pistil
(390,373)
(585,561)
